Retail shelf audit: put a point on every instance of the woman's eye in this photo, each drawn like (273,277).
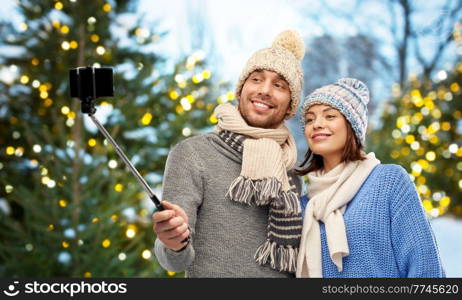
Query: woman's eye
(330,116)
(309,120)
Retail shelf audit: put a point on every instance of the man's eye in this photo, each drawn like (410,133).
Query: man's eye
(308,121)
(256,79)
(279,85)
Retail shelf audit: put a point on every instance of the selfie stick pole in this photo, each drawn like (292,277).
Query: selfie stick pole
(132,168)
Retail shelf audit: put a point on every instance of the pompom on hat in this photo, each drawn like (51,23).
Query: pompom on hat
(350,96)
(283,57)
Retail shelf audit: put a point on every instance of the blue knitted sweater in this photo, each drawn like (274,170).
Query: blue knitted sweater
(388,232)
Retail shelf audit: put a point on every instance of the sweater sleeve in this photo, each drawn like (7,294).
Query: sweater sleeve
(182,185)
(413,241)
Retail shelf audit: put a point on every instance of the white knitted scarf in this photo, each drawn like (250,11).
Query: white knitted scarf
(329,195)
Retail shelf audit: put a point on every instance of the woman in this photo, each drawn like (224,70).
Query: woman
(361,218)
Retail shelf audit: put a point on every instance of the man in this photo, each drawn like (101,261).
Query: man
(233,202)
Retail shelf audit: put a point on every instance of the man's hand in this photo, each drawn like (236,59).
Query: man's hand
(171,226)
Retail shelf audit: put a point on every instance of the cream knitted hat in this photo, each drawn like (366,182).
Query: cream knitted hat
(283,57)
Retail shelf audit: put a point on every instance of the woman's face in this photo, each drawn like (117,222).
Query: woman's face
(325,130)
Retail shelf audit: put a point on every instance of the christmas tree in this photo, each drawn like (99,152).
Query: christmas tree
(421,130)
(68,205)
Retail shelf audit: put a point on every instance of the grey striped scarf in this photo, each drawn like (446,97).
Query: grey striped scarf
(280,250)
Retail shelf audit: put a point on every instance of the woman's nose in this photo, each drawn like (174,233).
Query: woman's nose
(318,123)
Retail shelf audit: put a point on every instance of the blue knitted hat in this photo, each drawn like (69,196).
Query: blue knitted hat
(350,96)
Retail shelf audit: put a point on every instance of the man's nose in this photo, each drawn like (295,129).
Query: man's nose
(265,88)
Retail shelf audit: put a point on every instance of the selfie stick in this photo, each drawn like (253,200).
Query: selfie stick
(129,164)
(83,82)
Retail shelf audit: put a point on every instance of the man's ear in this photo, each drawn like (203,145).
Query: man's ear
(289,110)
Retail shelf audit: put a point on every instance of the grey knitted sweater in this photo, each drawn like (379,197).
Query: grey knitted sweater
(225,234)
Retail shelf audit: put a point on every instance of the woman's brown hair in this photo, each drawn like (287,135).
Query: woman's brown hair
(351,152)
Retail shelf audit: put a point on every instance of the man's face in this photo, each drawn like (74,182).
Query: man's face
(265,99)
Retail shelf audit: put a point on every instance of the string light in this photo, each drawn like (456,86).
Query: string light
(146,254)
(197,78)
(453,148)
(118,187)
(48,102)
(186,131)
(106,243)
(24,79)
(44,171)
(186,104)
(442,75)
(29,247)
(10,150)
(56,24)
(9,189)
(94,38)
(51,184)
(131,231)
(179,109)
(35,83)
(65,110)
(45,180)
(100,50)
(173,95)
(112,164)
(230,96)
(206,74)
(65,45)
(58,5)
(64,29)
(213,119)
(179,78)
(146,119)
(92,142)
(107,7)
